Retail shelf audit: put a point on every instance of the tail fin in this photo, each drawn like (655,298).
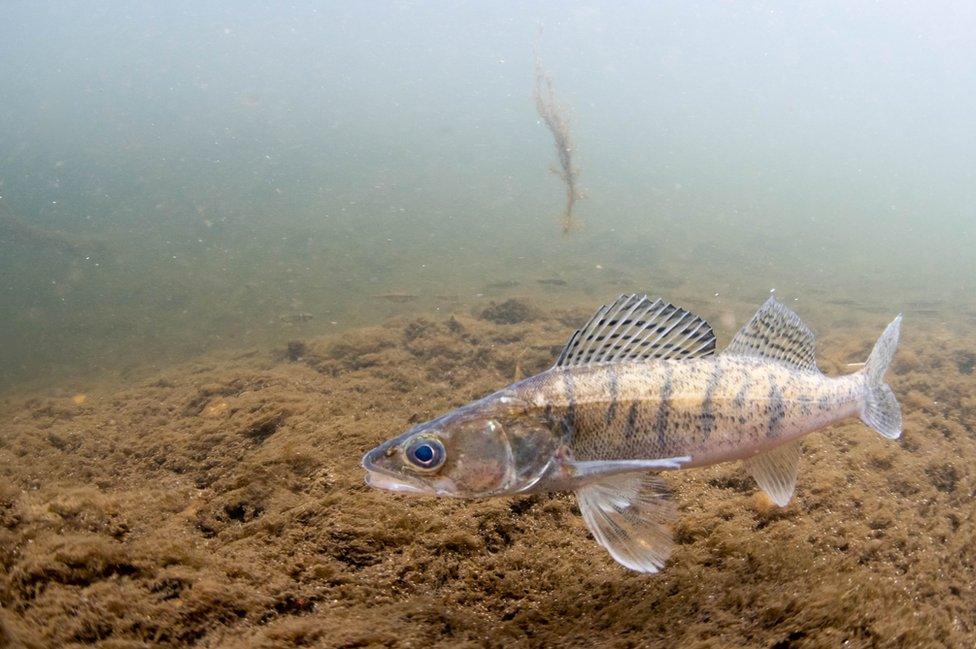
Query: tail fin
(881,410)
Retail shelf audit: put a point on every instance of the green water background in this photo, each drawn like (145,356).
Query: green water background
(224,167)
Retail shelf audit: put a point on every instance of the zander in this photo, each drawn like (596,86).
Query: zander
(639,389)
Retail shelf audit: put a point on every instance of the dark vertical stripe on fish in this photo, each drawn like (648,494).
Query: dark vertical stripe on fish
(663,410)
(631,428)
(547,415)
(707,416)
(777,409)
(569,421)
(614,395)
(740,398)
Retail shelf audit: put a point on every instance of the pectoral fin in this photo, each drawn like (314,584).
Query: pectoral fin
(775,471)
(630,515)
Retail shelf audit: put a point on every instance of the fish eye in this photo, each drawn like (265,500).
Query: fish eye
(426,454)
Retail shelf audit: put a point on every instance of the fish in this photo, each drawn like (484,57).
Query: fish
(293,318)
(501,285)
(15,231)
(637,391)
(552,281)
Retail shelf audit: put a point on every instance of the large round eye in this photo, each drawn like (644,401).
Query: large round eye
(426,453)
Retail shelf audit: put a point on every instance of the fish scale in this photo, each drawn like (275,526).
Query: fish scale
(713,409)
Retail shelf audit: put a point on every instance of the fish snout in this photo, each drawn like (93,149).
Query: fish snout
(369,459)
(384,469)
(384,472)
(383,457)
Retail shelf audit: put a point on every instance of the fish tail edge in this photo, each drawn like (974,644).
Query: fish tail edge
(880,409)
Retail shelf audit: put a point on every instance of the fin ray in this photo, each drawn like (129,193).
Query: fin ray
(881,410)
(636,328)
(630,516)
(775,471)
(776,333)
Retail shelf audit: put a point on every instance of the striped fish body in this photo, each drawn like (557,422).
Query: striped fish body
(638,390)
(712,409)
(640,383)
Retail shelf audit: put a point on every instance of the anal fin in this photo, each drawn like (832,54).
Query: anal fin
(775,471)
(630,515)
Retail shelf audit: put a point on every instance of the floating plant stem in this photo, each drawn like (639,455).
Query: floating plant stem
(554,117)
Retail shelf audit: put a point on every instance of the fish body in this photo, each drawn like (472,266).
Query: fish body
(293,318)
(713,409)
(508,283)
(636,391)
(552,281)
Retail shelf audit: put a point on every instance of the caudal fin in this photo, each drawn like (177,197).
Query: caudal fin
(881,410)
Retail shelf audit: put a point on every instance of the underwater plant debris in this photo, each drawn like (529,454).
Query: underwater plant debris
(553,115)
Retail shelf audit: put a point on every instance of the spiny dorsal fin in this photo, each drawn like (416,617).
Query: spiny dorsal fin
(776,333)
(775,471)
(634,328)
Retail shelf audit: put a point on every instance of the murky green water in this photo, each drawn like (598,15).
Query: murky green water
(199,177)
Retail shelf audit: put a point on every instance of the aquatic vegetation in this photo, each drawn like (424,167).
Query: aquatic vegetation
(553,115)
(510,312)
(144,518)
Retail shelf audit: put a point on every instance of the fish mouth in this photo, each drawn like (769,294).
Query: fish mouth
(380,477)
(387,482)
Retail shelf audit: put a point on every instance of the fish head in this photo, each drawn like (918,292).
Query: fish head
(489,448)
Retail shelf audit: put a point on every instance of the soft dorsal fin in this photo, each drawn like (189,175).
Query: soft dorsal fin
(635,328)
(776,333)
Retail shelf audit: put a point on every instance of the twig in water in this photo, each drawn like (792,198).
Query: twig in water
(553,116)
